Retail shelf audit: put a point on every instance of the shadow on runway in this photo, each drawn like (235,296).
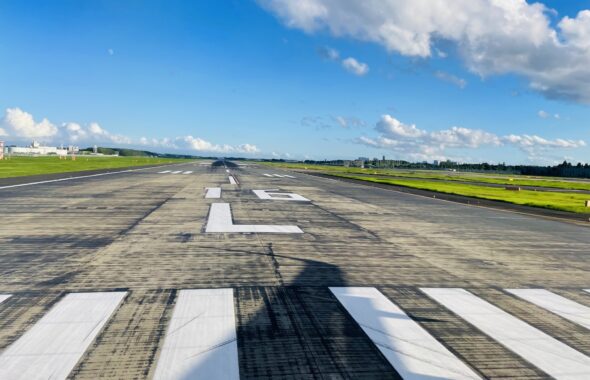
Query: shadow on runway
(297,331)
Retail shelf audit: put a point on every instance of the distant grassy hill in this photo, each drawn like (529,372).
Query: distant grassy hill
(124,152)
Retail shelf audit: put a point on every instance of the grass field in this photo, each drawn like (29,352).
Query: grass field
(571,202)
(23,166)
(500,179)
(447,183)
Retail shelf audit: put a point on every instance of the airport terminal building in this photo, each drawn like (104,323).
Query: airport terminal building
(36,149)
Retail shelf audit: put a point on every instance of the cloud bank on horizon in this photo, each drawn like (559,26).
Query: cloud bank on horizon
(492,37)
(21,125)
(392,134)
(420,144)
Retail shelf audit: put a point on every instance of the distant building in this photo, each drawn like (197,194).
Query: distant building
(363,159)
(435,163)
(36,149)
(1,150)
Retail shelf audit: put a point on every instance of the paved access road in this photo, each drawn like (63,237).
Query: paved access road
(117,277)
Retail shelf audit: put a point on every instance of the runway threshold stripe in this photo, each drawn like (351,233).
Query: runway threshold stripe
(176,172)
(164,172)
(543,351)
(188,172)
(201,340)
(556,304)
(213,192)
(288,176)
(410,349)
(4,297)
(52,347)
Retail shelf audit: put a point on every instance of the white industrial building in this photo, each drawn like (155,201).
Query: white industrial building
(36,149)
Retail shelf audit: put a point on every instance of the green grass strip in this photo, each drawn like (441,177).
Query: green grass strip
(24,166)
(493,178)
(570,202)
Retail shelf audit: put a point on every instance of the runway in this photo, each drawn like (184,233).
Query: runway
(185,271)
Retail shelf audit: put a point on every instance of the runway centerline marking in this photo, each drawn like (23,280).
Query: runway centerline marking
(164,172)
(176,172)
(51,348)
(411,350)
(232,180)
(267,175)
(543,351)
(201,340)
(556,304)
(213,192)
(273,195)
(188,172)
(220,220)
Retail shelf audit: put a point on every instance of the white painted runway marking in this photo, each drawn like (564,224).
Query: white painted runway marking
(587,290)
(176,172)
(410,349)
(220,220)
(288,176)
(269,194)
(164,172)
(188,172)
(545,352)
(201,339)
(268,175)
(227,170)
(4,297)
(52,347)
(213,192)
(278,175)
(232,180)
(73,178)
(557,304)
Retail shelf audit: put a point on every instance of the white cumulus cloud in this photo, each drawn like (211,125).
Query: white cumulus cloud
(419,144)
(201,145)
(450,78)
(546,115)
(491,36)
(355,67)
(328,53)
(19,123)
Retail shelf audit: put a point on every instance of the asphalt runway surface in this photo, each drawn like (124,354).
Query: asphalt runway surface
(174,273)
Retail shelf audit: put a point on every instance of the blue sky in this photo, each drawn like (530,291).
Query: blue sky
(301,79)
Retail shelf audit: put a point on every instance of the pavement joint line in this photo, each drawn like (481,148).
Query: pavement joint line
(76,177)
